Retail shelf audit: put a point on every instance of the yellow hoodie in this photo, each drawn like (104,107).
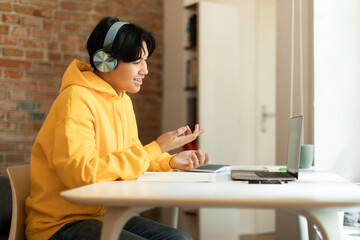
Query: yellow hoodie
(90,135)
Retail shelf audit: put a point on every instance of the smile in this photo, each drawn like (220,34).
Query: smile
(139,81)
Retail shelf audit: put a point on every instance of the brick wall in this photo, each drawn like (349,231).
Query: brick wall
(38,40)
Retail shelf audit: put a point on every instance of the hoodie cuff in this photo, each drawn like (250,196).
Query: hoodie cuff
(153,150)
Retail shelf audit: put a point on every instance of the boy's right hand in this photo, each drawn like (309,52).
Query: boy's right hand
(178,138)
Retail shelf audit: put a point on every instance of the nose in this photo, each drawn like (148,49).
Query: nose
(143,70)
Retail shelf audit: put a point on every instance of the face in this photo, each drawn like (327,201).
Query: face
(129,76)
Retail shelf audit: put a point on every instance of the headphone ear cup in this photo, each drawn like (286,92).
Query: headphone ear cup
(103,61)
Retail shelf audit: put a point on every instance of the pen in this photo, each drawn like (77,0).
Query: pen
(266,182)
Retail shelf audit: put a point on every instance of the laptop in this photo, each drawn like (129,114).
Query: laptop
(293,159)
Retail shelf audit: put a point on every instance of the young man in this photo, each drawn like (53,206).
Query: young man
(90,135)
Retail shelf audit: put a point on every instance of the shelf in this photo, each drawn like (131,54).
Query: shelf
(190,88)
(192,7)
(191,47)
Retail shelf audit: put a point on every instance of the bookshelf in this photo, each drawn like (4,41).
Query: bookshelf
(212,59)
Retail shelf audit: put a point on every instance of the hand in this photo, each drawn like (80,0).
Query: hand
(188,160)
(175,139)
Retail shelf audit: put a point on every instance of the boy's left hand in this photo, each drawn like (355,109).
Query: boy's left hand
(189,160)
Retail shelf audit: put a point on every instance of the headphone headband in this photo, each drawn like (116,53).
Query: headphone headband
(111,34)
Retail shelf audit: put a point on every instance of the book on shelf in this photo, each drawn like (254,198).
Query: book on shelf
(192,73)
(192,30)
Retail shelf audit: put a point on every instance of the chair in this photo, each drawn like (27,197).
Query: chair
(19,177)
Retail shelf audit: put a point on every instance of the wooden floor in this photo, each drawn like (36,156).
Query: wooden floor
(269,236)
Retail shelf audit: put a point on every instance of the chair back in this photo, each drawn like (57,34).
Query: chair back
(19,177)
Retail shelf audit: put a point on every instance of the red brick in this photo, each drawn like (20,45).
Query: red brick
(45,3)
(46,86)
(42,96)
(31,43)
(87,28)
(54,56)
(10,18)
(8,126)
(70,57)
(6,137)
(43,105)
(33,22)
(50,76)
(72,26)
(17,95)
(30,126)
(63,15)
(21,31)
(11,158)
(52,25)
(69,5)
(5,40)
(122,12)
(82,48)
(12,115)
(7,147)
(7,105)
(46,13)
(14,63)
(53,45)
(72,37)
(18,85)
(13,74)
(82,18)
(13,52)
(2,115)
(23,9)
(84,6)
(34,54)
(147,15)
(68,47)
(5,7)
(131,3)
(23,147)
(104,9)
(3,94)
(42,66)
(41,33)
(4,29)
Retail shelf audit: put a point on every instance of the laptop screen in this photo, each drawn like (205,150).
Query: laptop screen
(294,144)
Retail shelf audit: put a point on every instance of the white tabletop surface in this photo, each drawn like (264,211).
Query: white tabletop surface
(313,189)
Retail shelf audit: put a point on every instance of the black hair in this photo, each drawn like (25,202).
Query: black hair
(128,42)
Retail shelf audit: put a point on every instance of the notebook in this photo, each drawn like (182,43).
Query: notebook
(215,168)
(293,158)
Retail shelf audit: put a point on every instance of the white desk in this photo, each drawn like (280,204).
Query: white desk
(317,195)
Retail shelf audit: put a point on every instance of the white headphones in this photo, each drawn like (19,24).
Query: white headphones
(102,60)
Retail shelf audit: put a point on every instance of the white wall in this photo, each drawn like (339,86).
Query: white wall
(337,86)
(283,72)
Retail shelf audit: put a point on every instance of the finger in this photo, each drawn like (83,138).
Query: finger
(200,156)
(180,131)
(188,130)
(196,127)
(198,132)
(195,160)
(190,163)
(207,158)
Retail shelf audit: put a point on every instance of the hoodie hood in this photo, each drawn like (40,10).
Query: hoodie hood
(81,74)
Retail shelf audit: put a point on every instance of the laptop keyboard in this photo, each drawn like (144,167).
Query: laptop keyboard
(273,174)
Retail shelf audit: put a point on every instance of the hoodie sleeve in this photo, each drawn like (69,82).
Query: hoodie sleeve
(76,158)
(158,163)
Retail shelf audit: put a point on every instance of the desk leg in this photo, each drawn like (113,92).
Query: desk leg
(115,219)
(326,220)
